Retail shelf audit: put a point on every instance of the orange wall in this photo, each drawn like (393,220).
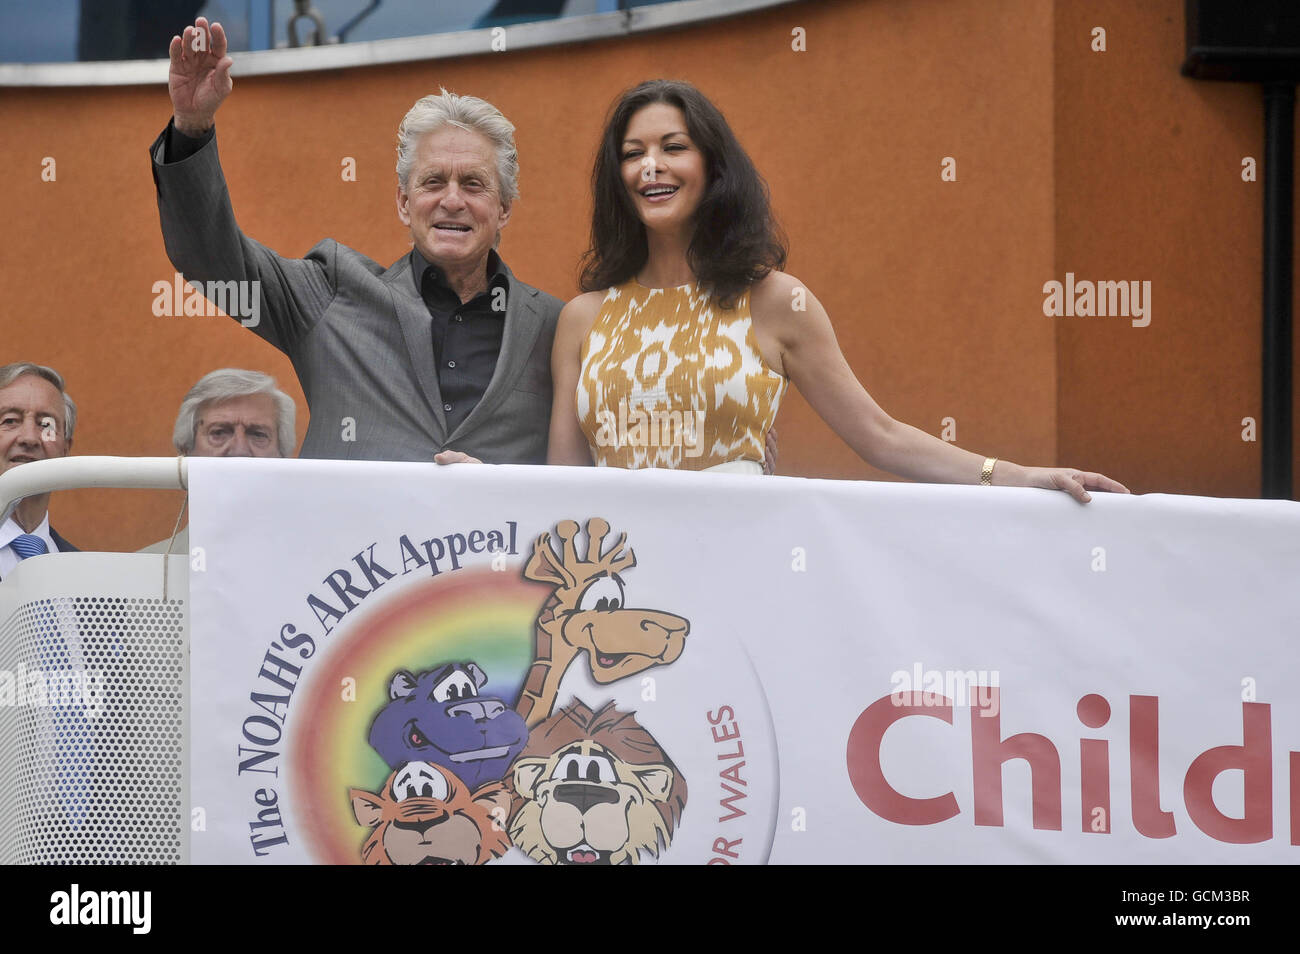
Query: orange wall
(1148,185)
(1106,164)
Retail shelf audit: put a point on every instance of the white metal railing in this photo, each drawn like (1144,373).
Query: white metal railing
(72,473)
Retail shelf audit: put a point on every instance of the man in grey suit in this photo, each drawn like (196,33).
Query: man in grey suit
(443,355)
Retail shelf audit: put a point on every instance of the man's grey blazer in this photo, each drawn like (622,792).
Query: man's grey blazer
(360,336)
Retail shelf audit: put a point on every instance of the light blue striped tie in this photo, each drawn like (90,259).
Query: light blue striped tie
(28,545)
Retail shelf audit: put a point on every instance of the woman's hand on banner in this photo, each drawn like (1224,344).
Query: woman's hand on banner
(1074,482)
(769,452)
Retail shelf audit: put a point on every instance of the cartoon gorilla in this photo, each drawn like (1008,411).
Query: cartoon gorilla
(438,716)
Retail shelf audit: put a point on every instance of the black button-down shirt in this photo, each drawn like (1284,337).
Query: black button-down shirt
(466,336)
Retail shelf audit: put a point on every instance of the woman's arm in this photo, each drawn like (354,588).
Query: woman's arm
(568,444)
(811,358)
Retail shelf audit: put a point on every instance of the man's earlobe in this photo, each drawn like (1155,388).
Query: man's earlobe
(401,206)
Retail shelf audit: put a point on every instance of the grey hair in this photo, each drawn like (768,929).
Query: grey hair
(227,383)
(12,372)
(465,112)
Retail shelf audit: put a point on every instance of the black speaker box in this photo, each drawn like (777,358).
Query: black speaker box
(1255,41)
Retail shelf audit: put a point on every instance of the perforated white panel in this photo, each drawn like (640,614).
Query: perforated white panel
(92,730)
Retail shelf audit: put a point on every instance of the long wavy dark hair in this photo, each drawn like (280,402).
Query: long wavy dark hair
(736,239)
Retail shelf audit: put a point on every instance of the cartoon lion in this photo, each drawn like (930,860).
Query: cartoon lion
(594,788)
(425,816)
(439,716)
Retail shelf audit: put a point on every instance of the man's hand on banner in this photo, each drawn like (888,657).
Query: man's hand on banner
(455,457)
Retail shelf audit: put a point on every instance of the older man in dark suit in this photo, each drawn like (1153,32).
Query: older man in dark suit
(37,418)
(445,351)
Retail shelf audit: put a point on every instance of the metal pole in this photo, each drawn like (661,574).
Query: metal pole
(1275,405)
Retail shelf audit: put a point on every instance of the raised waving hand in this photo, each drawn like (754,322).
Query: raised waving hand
(199,78)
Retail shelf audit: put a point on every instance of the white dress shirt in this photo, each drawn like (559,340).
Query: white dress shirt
(8,530)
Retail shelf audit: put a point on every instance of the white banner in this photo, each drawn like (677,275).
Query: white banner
(406,663)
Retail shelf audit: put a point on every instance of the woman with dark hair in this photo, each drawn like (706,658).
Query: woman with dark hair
(679,351)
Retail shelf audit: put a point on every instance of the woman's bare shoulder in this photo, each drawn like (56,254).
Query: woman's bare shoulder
(579,313)
(778,295)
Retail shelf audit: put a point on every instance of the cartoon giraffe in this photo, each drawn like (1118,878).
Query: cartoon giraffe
(586,611)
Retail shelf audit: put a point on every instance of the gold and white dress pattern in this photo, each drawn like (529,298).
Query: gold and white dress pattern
(669,380)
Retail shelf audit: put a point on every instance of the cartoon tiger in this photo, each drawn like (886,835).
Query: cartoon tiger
(594,787)
(424,815)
